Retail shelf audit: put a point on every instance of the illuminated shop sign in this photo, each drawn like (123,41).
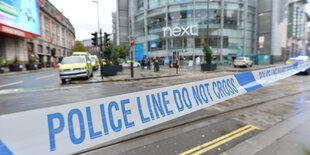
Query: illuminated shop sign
(181,31)
(21,14)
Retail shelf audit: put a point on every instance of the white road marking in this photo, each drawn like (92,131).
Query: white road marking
(10,84)
(12,91)
(43,77)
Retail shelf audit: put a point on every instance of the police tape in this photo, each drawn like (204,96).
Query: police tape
(76,127)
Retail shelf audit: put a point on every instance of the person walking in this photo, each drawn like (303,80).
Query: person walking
(148,63)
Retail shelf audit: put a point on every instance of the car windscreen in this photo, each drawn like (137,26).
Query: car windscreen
(295,60)
(74,59)
(93,59)
(239,59)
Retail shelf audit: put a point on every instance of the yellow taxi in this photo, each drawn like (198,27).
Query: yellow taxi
(75,67)
(94,62)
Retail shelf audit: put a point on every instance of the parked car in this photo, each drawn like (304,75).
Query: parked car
(127,64)
(82,54)
(94,62)
(299,59)
(75,67)
(243,61)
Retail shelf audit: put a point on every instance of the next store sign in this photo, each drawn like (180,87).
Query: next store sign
(181,31)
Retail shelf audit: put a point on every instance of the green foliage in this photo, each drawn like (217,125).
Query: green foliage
(115,55)
(16,60)
(112,54)
(32,60)
(2,61)
(123,52)
(78,46)
(207,52)
(107,55)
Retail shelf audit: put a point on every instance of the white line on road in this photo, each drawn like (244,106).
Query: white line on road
(10,84)
(11,91)
(43,77)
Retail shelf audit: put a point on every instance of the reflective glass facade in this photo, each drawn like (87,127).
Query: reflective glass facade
(239,32)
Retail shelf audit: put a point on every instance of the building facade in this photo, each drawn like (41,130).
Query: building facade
(296,28)
(53,41)
(161,27)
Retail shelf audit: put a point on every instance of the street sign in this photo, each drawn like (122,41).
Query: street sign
(132,41)
(261,41)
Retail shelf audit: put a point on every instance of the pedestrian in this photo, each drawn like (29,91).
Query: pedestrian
(142,63)
(148,63)
(156,65)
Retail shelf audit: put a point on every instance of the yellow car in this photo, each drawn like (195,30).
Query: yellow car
(94,62)
(75,67)
(127,64)
(80,53)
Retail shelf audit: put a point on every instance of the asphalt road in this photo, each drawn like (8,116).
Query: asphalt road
(202,132)
(214,130)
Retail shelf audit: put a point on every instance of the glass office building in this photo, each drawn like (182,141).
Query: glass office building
(162,27)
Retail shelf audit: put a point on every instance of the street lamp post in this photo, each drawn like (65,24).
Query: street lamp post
(208,21)
(99,31)
(97,13)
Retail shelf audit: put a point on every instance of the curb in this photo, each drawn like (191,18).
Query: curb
(269,136)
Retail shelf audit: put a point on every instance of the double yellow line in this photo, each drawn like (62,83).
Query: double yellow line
(219,141)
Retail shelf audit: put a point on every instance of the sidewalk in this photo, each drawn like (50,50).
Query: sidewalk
(142,74)
(286,138)
(125,75)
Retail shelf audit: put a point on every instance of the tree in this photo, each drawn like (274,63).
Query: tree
(107,55)
(123,52)
(207,52)
(78,46)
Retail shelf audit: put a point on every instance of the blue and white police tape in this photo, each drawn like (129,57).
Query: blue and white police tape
(79,126)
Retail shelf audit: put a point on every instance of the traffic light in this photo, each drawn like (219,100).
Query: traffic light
(53,52)
(94,39)
(106,39)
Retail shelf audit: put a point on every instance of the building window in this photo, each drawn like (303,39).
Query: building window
(48,51)
(40,49)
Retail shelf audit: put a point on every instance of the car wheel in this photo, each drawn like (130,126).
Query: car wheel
(235,66)
(63,81)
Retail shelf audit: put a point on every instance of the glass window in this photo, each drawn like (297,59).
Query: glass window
(158,44)
(40,49)
(140,4)
(156,3)
(177,1)
(73,59)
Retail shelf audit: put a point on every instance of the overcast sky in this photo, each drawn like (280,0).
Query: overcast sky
(83,15)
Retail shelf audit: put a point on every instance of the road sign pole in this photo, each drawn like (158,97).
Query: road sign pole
(131,63)
(132,42)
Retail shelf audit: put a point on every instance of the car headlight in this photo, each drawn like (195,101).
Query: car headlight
(61,70)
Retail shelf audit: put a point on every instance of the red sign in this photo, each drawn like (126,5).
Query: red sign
(13,31)
(132,41)
(50,27)
(57,15)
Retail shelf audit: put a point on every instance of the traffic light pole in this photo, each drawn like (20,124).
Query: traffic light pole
(100,41)
(101,53)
